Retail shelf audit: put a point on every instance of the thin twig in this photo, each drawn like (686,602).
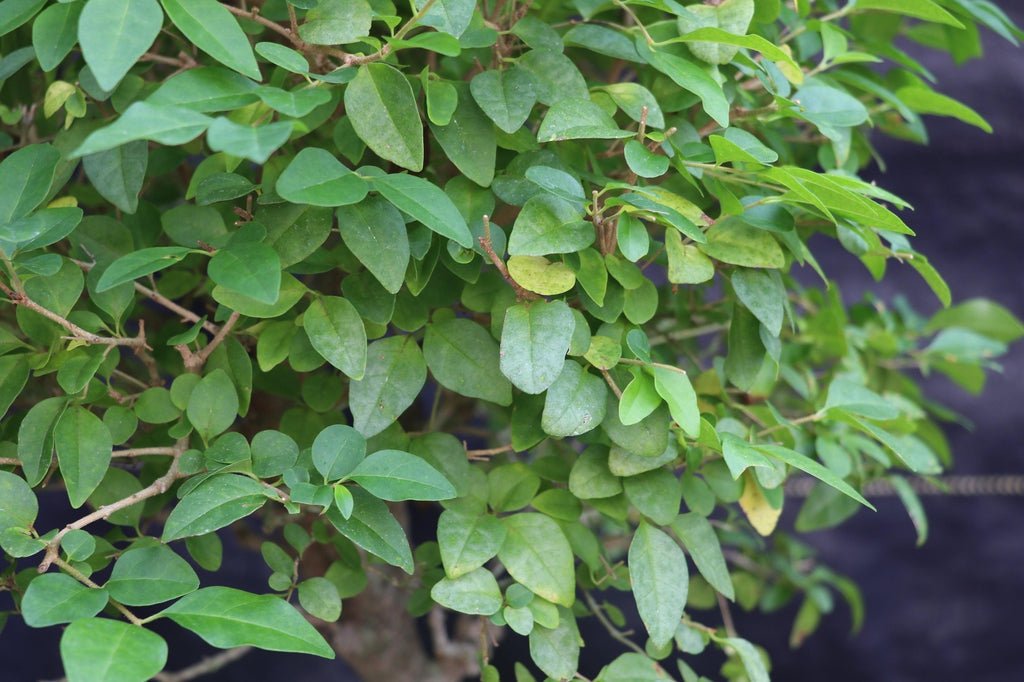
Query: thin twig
(210,664)
(616,634)
(195,361)
(488,247)
(84,579)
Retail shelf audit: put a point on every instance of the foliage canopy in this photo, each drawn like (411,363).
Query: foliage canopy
(503,311)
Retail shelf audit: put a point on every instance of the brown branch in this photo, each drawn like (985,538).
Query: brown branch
(85,580)
(157,487)
(611,384)
(195,361)
(487,452)
(522,294)
(145,452)
(77,333)
(210,664)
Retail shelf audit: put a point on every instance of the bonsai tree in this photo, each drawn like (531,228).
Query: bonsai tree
(474,320)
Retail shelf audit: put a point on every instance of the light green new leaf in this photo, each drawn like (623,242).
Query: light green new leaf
(225,617)
(213,404)
(740,244)
(337,450)
(213,504)
(214,31)
(249,268)
(150,575)
(700,540)
(317,178)
(84,448)
(104,650)
(534,341)
(375,529)
(809,466)
(467,542)
(638,399)
(751,658)
(114,34)
(475,593)
(928,10)
(464,358)
(382,108)
(55,598)
(337,333)
(424,201)
(657,572)
(541,276)
(375,233)
(395,374)
(395,476)
(319,597)
(537,554)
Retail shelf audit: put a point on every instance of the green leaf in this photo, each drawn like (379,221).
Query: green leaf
(118,174)
(750,657)
(114,34)
(677,391)
(982,317)
(763,294)
(575,402)
(213,504)
(537,554)
(343,501)
(739,244)
(912,503)
(319,597)
(18,504)
(643,161)
(375,233)
(395,476)
(292,290)
(424,201)
(578,119)
(549,225)
(255,143)
(382,108)
(285,57)
(691,78)
(104,650)
(14,372)
(450,16)
(700,540)
(919,9)
(468,140)
(213,404)
(205,89)
(534,341)
(464,358)
(214,31)
(35,438)
(84,449)
(249,268)
(225,617)
(373,528)
(926,101)
(507,97)
(638,399)
(317,178)
(55,32)
(336,332)
(809,466)
(144,121)
(467,542)
(337,450)
(395,374)
(26,176)
(657,572)
(336,22)
(475,593)
(139,264)
(55,598)
(272,453)
(150,575)
(556,651)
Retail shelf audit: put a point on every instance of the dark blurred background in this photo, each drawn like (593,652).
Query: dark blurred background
(951,610)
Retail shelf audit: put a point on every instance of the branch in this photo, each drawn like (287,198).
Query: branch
(210,664)
(77,333)
(157,487)
(195,361)
(522,294)
(84,579)
(616,634)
